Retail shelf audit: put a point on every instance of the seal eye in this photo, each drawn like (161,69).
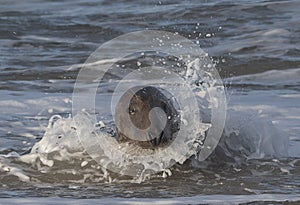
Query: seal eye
(131,111)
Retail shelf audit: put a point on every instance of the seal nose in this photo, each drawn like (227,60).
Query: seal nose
(147,116)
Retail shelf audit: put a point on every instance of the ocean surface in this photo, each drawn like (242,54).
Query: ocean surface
(256,48)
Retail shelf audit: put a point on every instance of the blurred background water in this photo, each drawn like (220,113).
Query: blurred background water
(256,45)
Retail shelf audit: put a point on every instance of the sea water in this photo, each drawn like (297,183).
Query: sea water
(255,45)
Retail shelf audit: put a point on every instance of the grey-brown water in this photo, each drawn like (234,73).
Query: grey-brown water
(256,47)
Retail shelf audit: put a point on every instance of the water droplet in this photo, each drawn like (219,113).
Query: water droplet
(84,163)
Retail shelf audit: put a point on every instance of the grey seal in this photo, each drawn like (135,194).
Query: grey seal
(141,101)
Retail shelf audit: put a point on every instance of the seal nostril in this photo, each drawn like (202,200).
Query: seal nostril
(161,136)
(164,107)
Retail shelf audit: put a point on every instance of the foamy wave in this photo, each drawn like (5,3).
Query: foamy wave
(247,135)
(250,135)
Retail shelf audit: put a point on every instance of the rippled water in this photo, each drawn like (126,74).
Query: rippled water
(256,47)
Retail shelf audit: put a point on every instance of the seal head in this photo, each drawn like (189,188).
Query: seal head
(137,123)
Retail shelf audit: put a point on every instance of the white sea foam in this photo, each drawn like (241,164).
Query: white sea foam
(247,135)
